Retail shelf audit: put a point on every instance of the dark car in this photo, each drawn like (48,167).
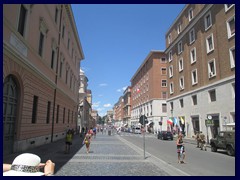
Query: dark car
(165,135)
(225,140)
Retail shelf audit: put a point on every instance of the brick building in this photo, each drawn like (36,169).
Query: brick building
(149,90)
(41,65)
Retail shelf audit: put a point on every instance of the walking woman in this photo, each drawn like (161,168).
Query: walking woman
(180,149)
(87,140)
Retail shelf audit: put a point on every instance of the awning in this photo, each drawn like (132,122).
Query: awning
(230,124)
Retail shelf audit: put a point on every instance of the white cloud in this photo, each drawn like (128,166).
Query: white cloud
(96,104)
(103,84)
(107,105)
(122,89)
(100,95)
(100,109)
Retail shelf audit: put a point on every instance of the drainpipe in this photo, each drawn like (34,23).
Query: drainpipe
(56,76)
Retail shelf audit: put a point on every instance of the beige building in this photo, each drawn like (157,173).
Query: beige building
(41,64)
(200,49)
(149,90)
(127,98)
(84,107)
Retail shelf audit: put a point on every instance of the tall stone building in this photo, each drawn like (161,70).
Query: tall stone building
(41,63)
(200,49)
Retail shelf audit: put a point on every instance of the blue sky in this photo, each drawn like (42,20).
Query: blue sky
(115,40)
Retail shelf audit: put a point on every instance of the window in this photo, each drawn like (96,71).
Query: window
(171,88)
(48,112)
(210,43)
(194,77)
(57,114)
(181,103)
(191,36)
(208,21)
(67,71)
(34,109)
(170,71)
(233,90)
(171,106)
(180,48)
(228,6)
(232,57)
(181,83)
(56,14)
(190,14)
(52,59)
(164,83)
(164,94)
(163,60)
(63,115)
(194,100)
(231,27)
(193,55)
(212,95)
(68,44)
(164,71)
(169,39)
(180,64)
(170,56)
(68,116)
(211,68)
(164,108)
(43,29)
(179,28)
(40,47)
(63,31)
(22,20)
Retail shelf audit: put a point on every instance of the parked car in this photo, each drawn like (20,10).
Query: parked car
(137,130)
(224,140)
(165,135)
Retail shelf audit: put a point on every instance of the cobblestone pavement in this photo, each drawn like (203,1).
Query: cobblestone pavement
(114,156)
(109,156)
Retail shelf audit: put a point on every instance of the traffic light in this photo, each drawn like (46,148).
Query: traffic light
(143,120)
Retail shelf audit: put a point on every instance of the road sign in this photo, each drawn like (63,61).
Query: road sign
(143,120)
(209,122)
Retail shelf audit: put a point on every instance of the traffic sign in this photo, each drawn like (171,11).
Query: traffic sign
(143,120)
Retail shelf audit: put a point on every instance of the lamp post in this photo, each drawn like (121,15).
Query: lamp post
(172,118)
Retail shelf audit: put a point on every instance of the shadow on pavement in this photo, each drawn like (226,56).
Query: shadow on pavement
(53,151)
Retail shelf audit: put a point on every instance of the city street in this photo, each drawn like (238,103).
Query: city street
(122,155)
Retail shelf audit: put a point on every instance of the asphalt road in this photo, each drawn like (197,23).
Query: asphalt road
(198,163)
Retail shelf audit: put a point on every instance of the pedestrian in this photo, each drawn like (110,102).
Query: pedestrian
(202,141)
(87,140)
(68,141)
(28,164)
(94,132)
(197,138)
(180,149)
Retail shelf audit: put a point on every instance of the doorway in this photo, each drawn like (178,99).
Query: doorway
(10,100)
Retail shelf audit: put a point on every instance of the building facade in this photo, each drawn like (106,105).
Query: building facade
(149,91)
(41,63)
(200,50)
(84,106)
(118,112)
(127,98)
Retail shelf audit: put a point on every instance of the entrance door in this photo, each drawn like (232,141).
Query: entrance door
(10,96)
(195,124)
